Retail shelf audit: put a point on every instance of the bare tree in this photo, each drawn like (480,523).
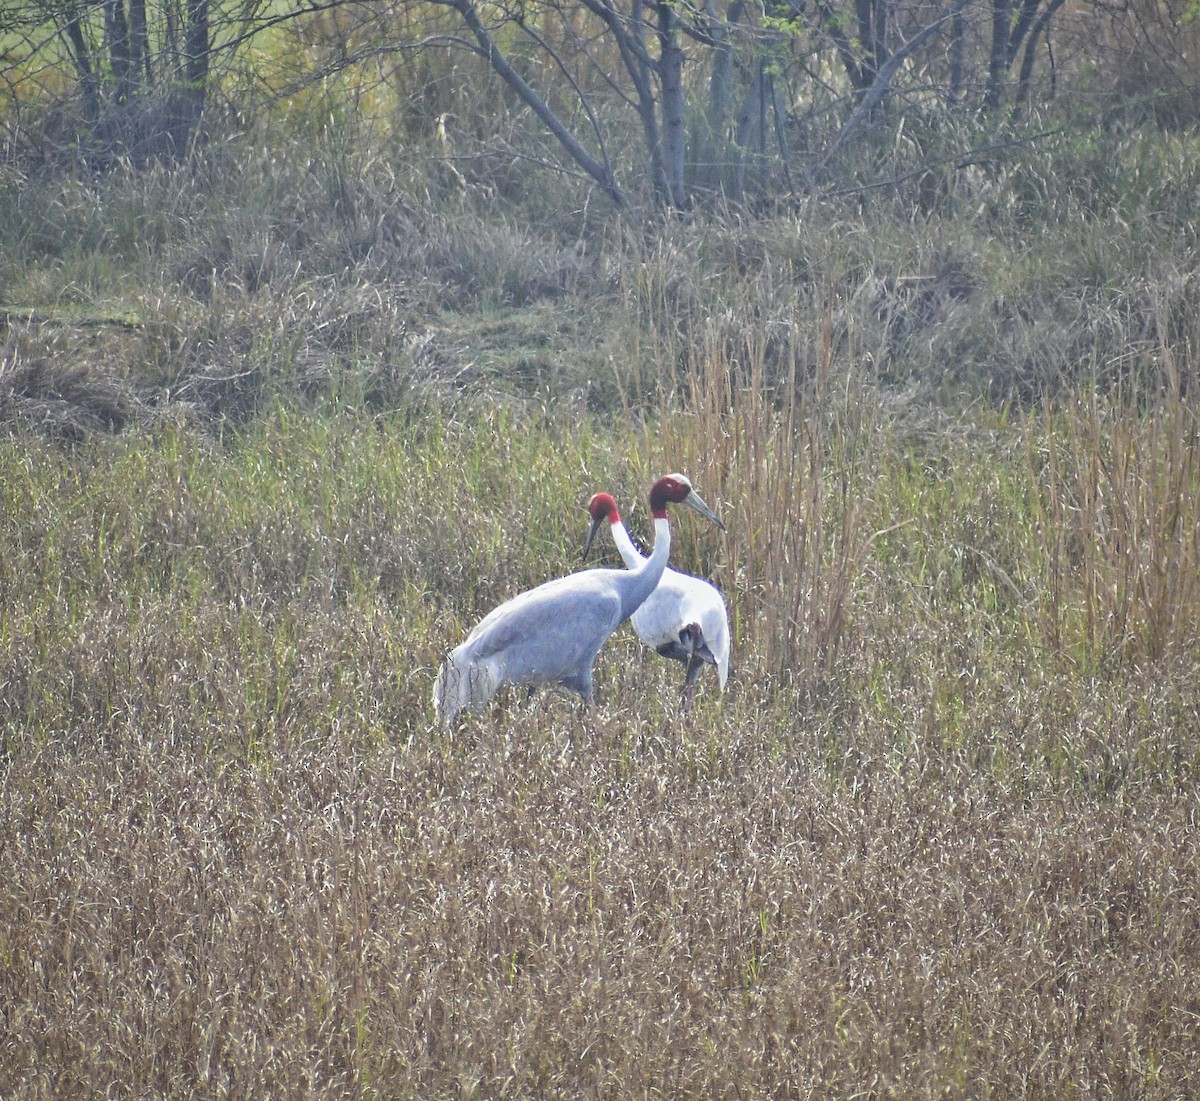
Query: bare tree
(652,57)
(634,92)
(599,168)
(1017,28)
(647,41)
(141,70)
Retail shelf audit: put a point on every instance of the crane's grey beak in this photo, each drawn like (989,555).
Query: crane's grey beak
(692,500)
(591,535)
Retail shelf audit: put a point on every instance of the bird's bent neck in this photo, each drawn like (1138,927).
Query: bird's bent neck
(625,548)
(644,578)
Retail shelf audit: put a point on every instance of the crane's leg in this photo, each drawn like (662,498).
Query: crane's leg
(691,638)
(581,683)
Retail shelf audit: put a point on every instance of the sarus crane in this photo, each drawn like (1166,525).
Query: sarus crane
(685,618)
(552,633)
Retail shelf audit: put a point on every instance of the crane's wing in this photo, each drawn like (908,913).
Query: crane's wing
(551,629)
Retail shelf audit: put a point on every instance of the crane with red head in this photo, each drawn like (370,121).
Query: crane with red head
(684,618)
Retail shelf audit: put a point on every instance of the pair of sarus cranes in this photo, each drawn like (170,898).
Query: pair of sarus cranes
(552,633)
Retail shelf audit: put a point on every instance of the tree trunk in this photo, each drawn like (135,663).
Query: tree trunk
(196,48)
(751,135)
(833,26)
(1040,27)
(998,57)
(872,34)
(89,81)
(958,54)
(139,43)
(670,66)
(600,171)
(116,38)
(720,84)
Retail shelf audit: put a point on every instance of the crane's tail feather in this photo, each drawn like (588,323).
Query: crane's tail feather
(461,686)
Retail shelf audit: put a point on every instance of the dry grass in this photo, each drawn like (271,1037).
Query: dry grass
(611,909)
(1119,518)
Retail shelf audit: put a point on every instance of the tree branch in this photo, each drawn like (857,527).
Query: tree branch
(882,83)
(600,172)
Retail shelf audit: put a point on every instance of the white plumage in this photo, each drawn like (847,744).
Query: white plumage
(552,633)
(684,618)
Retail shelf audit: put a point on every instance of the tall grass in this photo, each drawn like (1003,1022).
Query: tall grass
(314,264)
(789,456)
(1119,534)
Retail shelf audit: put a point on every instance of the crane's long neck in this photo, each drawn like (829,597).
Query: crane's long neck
(625,548)
(643,578)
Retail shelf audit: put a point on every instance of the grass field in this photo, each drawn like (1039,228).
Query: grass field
(952,853)
(940,836)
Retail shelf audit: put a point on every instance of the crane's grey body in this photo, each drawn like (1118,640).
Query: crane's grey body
(681,608)
(550,634)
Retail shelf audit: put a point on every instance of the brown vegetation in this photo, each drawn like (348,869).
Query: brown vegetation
(607,909)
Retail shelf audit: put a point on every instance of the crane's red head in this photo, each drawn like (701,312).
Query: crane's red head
(601,507)
(677,489)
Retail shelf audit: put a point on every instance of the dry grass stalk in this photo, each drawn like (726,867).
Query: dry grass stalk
(1120,532)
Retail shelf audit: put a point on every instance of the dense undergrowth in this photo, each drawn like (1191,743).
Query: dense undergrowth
(271,447)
